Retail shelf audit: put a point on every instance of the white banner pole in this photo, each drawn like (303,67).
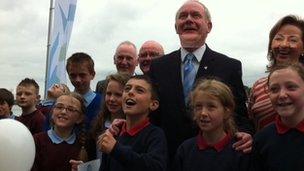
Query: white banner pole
(64,12)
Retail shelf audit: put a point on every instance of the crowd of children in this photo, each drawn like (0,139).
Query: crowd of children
(139,145)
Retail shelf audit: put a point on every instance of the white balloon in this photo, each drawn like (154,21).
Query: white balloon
(17,147)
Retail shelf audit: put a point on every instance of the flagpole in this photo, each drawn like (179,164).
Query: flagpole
(48,45)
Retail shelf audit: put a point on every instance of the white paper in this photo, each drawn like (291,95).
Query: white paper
(92,165)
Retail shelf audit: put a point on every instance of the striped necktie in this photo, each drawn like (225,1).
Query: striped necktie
(189,75)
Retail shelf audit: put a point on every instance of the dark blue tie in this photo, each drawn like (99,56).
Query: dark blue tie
(189,75)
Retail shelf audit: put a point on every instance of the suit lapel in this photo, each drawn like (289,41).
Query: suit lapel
(206,64)
(176,76)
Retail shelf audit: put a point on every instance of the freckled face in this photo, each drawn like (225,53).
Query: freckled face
(287,45)
(209,112)
(287,93)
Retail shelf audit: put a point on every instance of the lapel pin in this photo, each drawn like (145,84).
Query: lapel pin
(205,67)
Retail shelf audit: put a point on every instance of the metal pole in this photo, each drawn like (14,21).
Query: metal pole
(48,45)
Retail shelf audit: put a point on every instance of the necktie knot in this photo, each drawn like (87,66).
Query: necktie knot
(189,58)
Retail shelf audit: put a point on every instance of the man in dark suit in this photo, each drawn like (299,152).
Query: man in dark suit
(192,24)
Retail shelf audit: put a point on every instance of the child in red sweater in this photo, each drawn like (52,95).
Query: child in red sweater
(211,149)
(27,97)
(280,146)
(140,145)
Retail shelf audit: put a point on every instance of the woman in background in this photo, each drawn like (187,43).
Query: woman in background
(286,46)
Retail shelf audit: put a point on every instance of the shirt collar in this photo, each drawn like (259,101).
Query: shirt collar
(198,53)
(57,140)
(133,131)
(219,146)
(282,128)
(89,96)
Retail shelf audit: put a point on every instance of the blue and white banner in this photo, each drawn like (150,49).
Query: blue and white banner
(64,12)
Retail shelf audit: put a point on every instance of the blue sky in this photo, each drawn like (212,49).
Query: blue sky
(240,30)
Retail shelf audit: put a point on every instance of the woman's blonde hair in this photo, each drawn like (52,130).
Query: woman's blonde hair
(223,93)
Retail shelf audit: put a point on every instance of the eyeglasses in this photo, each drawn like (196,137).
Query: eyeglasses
(61,107)
(150,54)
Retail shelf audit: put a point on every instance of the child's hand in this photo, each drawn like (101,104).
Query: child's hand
(74,164)
(106,142)
(116,126)
(244,142)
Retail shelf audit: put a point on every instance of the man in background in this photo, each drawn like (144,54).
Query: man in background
(125,60)
(149,51)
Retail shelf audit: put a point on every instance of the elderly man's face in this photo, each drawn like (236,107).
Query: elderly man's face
(125,59)
(192,25)
(148,52)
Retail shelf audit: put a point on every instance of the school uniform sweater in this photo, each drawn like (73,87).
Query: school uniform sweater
(92,109)
(54,154)
(279,148)
(33,121)
(142,148)
(195,154)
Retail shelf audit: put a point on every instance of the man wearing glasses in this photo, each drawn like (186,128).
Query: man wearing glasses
(149,50)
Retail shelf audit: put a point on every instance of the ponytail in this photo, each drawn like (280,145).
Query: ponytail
(83,155)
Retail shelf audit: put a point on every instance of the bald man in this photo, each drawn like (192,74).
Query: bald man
(125,60)
(149,50)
